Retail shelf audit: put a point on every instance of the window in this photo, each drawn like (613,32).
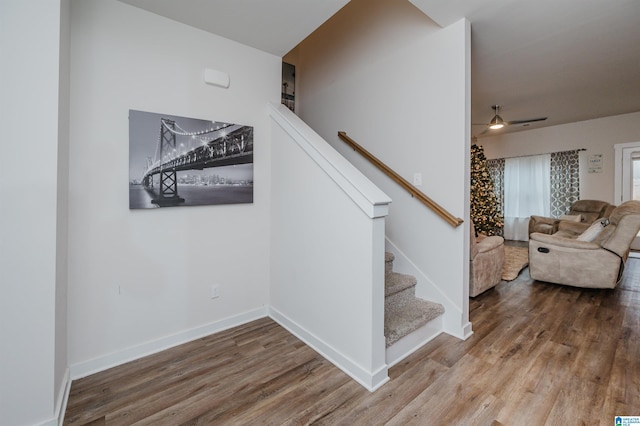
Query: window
(527,188)
(544,185)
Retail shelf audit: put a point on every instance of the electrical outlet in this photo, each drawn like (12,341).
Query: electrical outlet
(215,291)
(417,179)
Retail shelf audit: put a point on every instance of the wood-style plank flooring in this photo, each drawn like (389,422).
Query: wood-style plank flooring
(540,354)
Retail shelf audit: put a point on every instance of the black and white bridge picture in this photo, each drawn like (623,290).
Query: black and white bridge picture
(179,161)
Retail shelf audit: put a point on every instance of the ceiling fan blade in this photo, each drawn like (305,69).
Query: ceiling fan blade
(497,122)
(531,120)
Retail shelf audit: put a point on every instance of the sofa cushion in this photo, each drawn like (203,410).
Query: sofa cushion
(593,231)
(571,217)
(545,228)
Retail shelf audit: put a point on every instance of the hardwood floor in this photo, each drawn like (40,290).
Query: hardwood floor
(540,354)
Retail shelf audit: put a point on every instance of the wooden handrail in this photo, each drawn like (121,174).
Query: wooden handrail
(440,211)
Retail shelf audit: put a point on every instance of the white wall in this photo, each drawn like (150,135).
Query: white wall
(32,223)
(141,279)
(399,85)
(597,136)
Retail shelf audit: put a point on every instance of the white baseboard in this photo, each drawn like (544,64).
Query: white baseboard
(462,333)
(61,402)
(370,380)
(102,363)
(63,397)
(468,331)
(50,422)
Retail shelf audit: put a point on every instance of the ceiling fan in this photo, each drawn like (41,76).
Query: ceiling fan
(498,123)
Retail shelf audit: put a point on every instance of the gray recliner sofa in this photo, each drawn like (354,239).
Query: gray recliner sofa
(599,263)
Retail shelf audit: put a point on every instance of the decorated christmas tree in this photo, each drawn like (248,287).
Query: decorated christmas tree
(484,206)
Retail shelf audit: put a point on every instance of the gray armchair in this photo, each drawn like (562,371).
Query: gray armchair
(599,263)
(486,260)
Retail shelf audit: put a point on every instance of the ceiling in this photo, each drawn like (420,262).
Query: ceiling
(569,60)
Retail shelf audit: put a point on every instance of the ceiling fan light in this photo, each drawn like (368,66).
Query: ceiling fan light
(496,123)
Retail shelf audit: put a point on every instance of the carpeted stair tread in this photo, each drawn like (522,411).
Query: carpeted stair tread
(400,320)
(396,282)
(404,313)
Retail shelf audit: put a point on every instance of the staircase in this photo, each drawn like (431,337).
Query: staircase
(409,322)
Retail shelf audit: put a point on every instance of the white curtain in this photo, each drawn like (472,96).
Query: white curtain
(526,192)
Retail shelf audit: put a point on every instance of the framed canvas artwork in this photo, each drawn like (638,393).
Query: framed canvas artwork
(179,161)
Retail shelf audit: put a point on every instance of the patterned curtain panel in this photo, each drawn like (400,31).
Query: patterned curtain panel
(496,170)
(565,181)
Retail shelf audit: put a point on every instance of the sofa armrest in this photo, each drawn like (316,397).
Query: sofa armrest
(542,224)
(554,240)
(623,234)
(489,243)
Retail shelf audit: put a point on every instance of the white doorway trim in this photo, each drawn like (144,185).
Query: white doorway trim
(622,178)
(620,150)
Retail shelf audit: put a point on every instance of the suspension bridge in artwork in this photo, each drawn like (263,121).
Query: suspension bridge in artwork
(178,149)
